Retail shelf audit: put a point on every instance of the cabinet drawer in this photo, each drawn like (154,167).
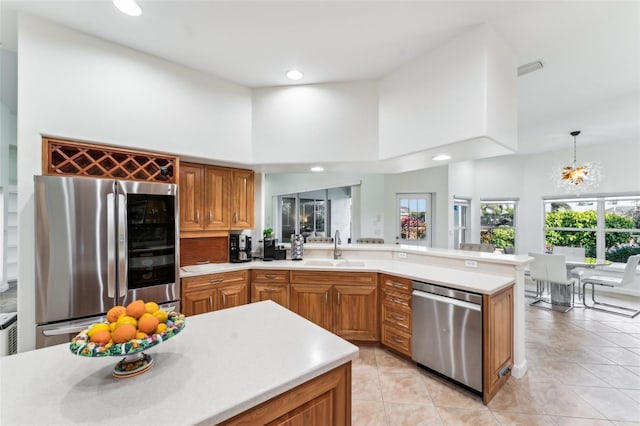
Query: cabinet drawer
(270,276)
(401,285)
(211,280)
(396,300)
(399,318)
(396,339)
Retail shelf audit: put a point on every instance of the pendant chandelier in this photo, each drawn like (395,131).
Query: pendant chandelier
(578,178)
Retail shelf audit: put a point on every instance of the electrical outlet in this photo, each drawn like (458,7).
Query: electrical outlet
(470,263)
(402,255)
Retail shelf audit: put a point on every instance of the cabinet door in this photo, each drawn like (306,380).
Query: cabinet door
(198,302)
(232,295)
(216,198)
(355,312)
(242,193)
(498,342)
(312,301)
(191,187)
(279,293)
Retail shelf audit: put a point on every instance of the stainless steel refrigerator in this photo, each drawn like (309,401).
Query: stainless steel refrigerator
(101,243)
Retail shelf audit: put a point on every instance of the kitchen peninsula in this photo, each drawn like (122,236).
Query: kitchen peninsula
(224,366)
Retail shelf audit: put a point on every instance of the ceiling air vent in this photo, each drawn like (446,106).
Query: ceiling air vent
(530,67)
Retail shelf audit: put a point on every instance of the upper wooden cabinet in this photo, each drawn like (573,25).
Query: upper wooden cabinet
(242,199)
(214,199)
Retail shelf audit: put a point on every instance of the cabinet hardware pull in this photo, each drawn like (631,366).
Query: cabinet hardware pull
(396,284)
(326,297)
(270,276)
(224,300)
(235,217)
(396,300)
(395,339)
(202,262)
(211,302)
(338,298)
(210,217)
(270,290)
(397,317)
(217,280)
(197,216)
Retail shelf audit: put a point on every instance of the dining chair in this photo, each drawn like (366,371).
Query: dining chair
(578,253)
(549,272)
(627,278)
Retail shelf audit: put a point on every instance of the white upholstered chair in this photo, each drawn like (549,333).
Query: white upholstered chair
(549,272)
(610,281)
(573,252)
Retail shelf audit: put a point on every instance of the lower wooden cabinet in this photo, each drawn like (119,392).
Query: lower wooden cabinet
(206,293)
(325,400)
(396,313)
(270,285)
(345,303)
(498,341)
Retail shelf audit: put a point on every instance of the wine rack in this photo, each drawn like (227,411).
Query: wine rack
(67,158)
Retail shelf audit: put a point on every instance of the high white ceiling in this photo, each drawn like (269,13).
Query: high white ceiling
(591,49)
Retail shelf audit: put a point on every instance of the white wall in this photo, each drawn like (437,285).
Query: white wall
(443,96)
(462,184)
(322,122)
(77,86)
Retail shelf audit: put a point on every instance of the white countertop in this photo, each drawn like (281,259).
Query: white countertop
(455,278)
(220,365)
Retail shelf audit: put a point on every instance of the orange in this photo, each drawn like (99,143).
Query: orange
(148,324)
(135,309)
(123,333)
(161,315)
(101,326)
(115,312)
(151,307)
(101,336)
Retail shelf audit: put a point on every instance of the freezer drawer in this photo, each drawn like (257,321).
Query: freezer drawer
(447,336)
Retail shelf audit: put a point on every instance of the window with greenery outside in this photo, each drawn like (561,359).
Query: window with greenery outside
(497,224)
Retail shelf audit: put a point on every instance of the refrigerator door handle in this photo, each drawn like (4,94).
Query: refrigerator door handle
(76,328)
(122,247)
(111,246)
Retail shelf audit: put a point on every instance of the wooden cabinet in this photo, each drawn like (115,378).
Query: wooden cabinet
(325,400)
(214,199)
(270,285)
(497,341)
(206,293)
(396,313)
(242,199)
(345,303)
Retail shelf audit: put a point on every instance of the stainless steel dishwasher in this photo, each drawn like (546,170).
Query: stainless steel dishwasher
(447,332)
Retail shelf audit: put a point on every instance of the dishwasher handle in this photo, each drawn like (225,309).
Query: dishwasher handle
(447,300)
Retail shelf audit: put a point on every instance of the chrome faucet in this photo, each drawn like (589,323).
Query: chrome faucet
(337,253)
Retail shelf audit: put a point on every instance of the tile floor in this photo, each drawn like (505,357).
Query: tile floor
(583,369)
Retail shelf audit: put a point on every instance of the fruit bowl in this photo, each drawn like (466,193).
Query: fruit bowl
(134,361)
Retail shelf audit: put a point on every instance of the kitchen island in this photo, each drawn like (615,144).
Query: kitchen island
(224,364)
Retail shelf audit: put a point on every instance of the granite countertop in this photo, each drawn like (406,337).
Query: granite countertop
(220,365)
(460,279)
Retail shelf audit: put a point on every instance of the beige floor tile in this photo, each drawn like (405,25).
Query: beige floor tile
(633,393)
(461,416)
(411,414)
(403,386)
(622,339)
(630,326)
(365,383)
(617,376)
(386,358)
(614,404)
(621,356)
(573,421)
(523,419)
(366,356)
(517,396)
(367,413)
(568,373)
(564,401)
(445,394)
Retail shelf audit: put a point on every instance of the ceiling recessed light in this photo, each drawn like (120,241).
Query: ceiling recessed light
(442,157)
(294,74)
(317,169)
(128,7)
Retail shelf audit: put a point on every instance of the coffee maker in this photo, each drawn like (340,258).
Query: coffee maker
(269,248)
(239,248)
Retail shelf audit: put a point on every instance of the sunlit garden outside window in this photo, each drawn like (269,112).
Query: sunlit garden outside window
(497,223)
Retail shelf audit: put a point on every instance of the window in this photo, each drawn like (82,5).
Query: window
(461,211)
(414,218)
(607,227)
(314,213)
(497,223)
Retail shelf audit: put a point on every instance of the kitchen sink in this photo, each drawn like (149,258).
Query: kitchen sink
(350,263)
(319,263)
